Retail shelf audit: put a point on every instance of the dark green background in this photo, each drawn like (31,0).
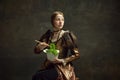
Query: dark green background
(95,22)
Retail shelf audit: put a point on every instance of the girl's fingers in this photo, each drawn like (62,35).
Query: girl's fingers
(42,43)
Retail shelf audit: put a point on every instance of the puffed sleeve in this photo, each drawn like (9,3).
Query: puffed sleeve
(44,38)
(72,45)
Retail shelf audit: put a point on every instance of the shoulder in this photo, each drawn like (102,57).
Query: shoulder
(45,35)
(69,34)
(72,34)
(48,31)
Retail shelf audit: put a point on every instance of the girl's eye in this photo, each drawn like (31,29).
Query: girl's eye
(60,19)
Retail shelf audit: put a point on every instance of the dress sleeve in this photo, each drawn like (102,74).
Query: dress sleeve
(72,45)
(44,38)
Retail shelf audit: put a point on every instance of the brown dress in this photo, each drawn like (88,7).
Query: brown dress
(68,50)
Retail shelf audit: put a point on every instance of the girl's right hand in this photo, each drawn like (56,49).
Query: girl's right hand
(41,45)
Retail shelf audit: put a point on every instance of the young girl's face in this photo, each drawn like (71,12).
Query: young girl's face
(58,22)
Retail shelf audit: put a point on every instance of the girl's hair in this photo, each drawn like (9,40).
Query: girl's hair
(54,15)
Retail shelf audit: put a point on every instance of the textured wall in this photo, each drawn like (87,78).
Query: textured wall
(95,22)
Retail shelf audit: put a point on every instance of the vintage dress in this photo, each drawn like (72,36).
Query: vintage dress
(66,44)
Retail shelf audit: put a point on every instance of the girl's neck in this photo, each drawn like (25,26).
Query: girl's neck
(56,30)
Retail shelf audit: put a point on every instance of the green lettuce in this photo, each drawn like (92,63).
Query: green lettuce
(52,49)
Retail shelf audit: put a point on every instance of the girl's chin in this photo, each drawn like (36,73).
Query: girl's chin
(59,28)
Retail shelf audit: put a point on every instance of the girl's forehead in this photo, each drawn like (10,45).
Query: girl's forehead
(59,15)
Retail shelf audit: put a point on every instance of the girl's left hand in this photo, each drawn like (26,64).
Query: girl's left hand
(58,61)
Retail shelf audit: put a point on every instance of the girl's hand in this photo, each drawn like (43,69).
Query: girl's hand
(58,61)
(41,45)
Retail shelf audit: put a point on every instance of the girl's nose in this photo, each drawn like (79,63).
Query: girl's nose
(61,21)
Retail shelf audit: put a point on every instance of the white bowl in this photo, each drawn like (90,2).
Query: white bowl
(50,56)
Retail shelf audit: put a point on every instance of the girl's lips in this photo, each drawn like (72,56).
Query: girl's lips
(60,25)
